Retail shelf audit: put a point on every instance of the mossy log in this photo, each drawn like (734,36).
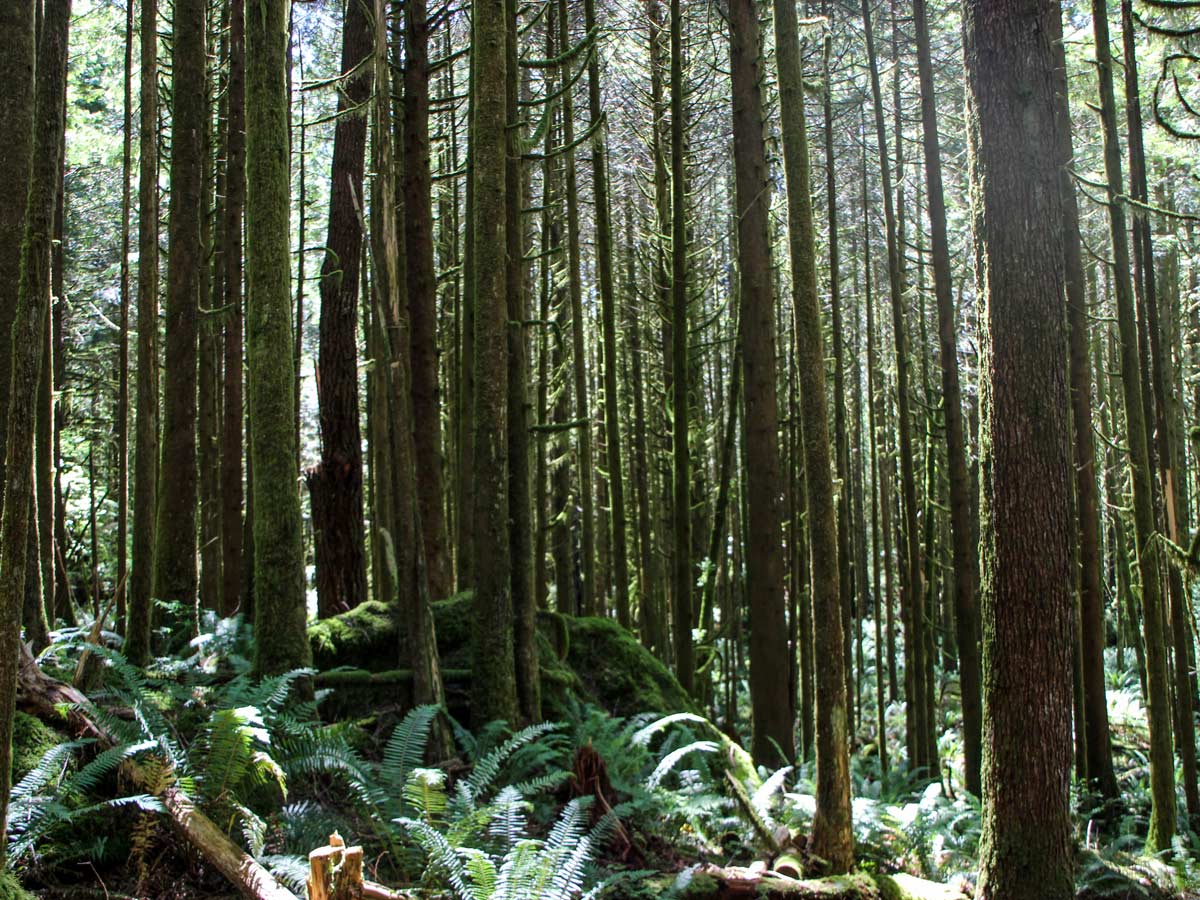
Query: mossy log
(581,660)
(734,883)
(53,701)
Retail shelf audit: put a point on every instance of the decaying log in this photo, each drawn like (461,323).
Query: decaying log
(347,677)
(51,699)
(734,883)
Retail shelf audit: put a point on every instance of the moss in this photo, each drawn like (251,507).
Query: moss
(10,888)
(31,739)
(582,660)
(618,673)
(355,638)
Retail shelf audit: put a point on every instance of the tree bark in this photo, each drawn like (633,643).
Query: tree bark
(494,686)
(145,453)
(1158,701)
(32,313)
(280,606)
(422,295)
(336,482)
(773,742)
(832,838)
(966,565)
(175,573)
(1026,847)
(683,578)
(232,493)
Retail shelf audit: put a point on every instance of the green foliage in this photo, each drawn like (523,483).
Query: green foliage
(556,868)
(10,888)
(224,761)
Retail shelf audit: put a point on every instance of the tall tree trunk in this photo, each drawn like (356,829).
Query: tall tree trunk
(422,295)
(1158,700)
(773,742)
(832,839)
(879,555)
(910,581)
(17,65)
(122,404)
(587,602)
(232,402)
(494,693)
(966,615)
(520,509)
(279,553)
(841,447)
(145,453)
(175,575)
(685,656)
(43,116)
(1026,848)
(336,482)
(415,607)
(212,288)
(1087,499)
(612,424)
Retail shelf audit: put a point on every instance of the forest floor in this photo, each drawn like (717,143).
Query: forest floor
(652,805)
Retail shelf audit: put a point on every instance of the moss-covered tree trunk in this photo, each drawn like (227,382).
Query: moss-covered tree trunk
(832,838)
(422,295)
(413,606)
(773,743)
(145,452)
(17,65)
(336,482)
(1158,694)
(212,290)
(494,686)
(604,263)
(1164,451)
(43,116)
(520,504)
(682,577)
(122,400)
(1027,593)
(910,578)
(175,573)
(583,434)
(232,444)
(966,565)
(1087,497)
(848,587)
(280,607)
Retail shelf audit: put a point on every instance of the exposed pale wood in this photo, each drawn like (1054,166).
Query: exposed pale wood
(53,700)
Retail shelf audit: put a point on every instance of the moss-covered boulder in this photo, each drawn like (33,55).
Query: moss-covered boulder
(583,660)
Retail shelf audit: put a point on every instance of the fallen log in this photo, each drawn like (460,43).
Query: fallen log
(736,883)
(50,699)
(348,677)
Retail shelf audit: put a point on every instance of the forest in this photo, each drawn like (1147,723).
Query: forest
(571,449)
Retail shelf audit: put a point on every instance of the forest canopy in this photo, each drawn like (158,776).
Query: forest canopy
(563,449)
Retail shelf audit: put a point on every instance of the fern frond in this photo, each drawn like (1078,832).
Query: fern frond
(488,768)
(405,748)
(672,759)
(508,817)
(441,855)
